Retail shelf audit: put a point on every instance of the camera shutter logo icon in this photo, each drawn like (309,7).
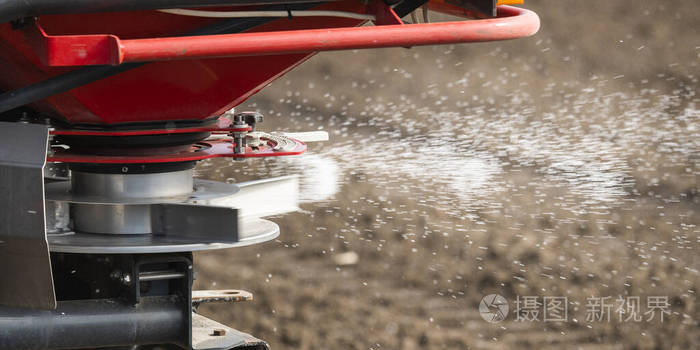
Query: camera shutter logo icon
(493,308)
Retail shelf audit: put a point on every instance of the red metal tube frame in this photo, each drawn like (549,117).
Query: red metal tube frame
(74,50)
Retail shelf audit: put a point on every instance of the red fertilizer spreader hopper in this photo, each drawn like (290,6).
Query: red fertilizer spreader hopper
(106,107)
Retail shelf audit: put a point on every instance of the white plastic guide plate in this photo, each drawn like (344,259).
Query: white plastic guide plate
(262,198)
(308,136)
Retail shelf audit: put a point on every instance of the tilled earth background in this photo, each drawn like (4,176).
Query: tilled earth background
(563,165)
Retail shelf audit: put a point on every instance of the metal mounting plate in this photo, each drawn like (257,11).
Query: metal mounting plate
(211,335)
(25,266)
(220,296)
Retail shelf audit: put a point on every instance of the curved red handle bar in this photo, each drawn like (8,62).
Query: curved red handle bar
(512,23)
(60,50)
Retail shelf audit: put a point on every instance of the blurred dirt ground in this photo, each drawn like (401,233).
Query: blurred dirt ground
(421,269)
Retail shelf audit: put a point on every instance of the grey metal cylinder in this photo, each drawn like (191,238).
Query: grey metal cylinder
(135,186)
(100,217)
(93,323)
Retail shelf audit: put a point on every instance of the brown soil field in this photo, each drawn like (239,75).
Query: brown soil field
(565,164)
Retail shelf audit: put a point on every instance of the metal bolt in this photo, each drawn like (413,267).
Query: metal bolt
(218,332)
(238,136)
(251,118)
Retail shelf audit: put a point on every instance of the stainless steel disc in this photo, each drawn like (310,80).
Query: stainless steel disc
(251,231)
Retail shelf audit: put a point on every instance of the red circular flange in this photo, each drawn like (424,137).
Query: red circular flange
(199,151)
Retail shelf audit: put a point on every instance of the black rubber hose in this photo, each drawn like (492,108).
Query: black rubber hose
(82,76)
(407,6)
(485,8)
(56,85)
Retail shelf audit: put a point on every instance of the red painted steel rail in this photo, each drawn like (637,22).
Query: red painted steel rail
(74,50)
